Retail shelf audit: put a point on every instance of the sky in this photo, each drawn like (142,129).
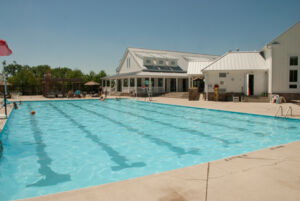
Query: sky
(94,34)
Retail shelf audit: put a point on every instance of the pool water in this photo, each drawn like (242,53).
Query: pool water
(68,145)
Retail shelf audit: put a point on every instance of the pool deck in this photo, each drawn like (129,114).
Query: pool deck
(268,174)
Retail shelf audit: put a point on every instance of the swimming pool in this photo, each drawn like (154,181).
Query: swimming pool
(72,144)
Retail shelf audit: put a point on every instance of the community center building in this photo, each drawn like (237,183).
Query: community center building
(272,70)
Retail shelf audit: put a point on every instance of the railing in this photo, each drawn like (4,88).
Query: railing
(289,109)
(281,110)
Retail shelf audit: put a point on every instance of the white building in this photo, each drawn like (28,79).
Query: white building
(158,71)
(273,70)
(237,73)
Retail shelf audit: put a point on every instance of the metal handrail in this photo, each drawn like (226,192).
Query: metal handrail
(289,109)
(281,111)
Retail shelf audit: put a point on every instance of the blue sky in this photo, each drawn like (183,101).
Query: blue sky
(93,34)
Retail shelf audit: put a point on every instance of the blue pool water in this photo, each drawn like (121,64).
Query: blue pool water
(73,144)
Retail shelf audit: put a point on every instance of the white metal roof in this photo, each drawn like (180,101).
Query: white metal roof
(195,67)
(146,74)
(238,61)
(181,57)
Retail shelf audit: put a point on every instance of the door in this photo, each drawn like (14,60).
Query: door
(119,85)
(199,83)
(251,85)
(173,85)
(184,84)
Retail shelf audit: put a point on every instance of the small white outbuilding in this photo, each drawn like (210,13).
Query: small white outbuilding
(237,73)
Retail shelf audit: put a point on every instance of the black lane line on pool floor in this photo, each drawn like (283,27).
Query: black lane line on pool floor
(182,129)
(260,134)
(49,176)
(178,150)
(115,156)
(228,117)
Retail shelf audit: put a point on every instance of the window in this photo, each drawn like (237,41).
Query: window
(294,61)
(293,86)
(139,82)
(148,61)
(152,82)
(293,75)
(222,74)
(160,62)
(104,82)
(128,62)
(125,82)
(132,82)
(147,82)
(160,82)
(108,83)
(112,84)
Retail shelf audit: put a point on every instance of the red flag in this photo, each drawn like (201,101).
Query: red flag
(4,49)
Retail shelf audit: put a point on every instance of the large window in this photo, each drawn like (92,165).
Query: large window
(146,82)
(160,82)
(139,82)
(108,83)
(125,82)
(294,61)
(293,75)
(132,82)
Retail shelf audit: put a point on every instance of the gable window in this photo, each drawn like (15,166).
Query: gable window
(294,61)
(139,82)
(172,63)
(293,75)
(128,62)
(125,83)
(132,82)
(222,74)
(160,62)
(148,61)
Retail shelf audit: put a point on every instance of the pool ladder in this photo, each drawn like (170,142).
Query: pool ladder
(280,108)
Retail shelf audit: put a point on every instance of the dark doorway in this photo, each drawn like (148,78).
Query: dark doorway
(199,83)
(119,85)
(184,85)
(251,85)
(173,85)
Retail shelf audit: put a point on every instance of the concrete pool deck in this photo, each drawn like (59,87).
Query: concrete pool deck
(268,174)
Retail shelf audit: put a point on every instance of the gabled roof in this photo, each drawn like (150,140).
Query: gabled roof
(238,61)
(196,67)
(275,41)
(182,58)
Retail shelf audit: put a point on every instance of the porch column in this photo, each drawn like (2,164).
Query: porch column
(206,85)
(164,84)
(150,83)
(176,84)
(135,86)
(189,82)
